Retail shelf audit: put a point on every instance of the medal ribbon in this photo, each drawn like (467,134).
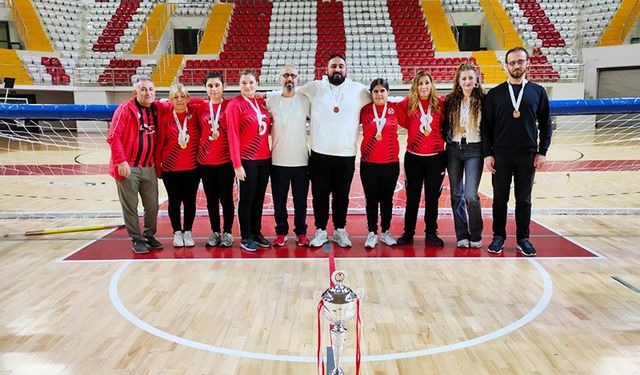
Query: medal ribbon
(262,125)
(380,121)
(183,137)
(214,119)
(425,119)
(516,103)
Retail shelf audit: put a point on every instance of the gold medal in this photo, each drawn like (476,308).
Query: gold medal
(183,145)
(336,109)
(516,113)
(379,136)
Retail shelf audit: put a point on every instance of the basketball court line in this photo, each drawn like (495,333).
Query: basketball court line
(542,303)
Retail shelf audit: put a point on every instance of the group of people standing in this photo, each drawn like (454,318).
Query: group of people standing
(219,140)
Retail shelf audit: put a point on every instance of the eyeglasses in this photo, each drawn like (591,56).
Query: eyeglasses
(289,75)
(516,62)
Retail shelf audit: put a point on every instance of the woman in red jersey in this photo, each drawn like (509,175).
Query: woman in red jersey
(178,135)
(425,159)
(214,160)
(379,163)
(248,127)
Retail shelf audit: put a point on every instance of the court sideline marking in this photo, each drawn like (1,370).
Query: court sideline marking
(544,300)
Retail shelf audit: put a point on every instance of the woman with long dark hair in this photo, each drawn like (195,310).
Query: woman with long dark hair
(214,160)
(248,126)
(464,153)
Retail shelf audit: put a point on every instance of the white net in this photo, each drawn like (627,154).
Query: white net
(59,169)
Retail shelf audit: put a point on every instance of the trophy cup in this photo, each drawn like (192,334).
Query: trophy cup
(339,307)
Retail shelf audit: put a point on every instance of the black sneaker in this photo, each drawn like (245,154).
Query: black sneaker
(496,245)
(432,239)
(139,247)
(405,239)
(526,248)
(261,241)
(152,242)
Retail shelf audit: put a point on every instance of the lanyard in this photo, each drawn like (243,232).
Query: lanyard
(380,121)
(183,137)
(425,119)
(262,125)
(213,120)
(516,103)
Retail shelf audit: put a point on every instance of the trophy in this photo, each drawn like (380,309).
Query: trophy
(339,306)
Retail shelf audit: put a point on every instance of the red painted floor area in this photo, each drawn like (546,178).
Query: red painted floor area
(117,246)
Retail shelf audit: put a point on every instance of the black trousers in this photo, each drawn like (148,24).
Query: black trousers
(520,167)
(252,192)
(379,183)
(331,175)
(217,181)
(298,178)
(182,187)
(427,171)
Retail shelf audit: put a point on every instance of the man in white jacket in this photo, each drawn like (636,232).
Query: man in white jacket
(335,115)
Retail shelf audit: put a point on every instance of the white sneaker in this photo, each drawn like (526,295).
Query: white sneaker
(188,241)
(319,239)
(226,240)
(341,237)
(372,240)
(463,243)
(214,239)
(387,238)
(475,244)
(178,239)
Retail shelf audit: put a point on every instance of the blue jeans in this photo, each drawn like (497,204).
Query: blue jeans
(465,161)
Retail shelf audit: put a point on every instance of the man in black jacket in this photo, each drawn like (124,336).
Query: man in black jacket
(515,115)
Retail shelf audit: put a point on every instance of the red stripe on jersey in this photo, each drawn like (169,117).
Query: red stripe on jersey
(385,150)
(173,157)
(213,152)
(245,141)
(143,151)
(417,142)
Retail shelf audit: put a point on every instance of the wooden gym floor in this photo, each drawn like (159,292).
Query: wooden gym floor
(426,313)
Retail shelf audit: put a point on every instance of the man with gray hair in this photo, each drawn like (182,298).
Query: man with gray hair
(289,156)
(132,138)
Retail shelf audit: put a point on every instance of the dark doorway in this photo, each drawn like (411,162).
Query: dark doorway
(468,38)
(186,41)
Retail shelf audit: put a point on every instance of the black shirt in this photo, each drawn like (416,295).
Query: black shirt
(503,133)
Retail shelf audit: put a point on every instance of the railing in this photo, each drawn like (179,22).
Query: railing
(442,74)
(22,28)
(501,34)
(153,37)
(629,21)
(452,23)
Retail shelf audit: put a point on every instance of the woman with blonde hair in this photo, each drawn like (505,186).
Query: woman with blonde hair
(178,141)
(464,153)
(425,159)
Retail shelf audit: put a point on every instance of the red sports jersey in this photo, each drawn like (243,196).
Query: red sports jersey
(213,152)
(246,139)
(417,142)
(143,151)
(173,157)
(385,150)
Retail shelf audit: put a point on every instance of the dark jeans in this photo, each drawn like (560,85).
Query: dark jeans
(298,177)
(465,169)
(520,167)
(419,171)
(182,188)
(252,192)
(330,175)
(379,183)
(217,181)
